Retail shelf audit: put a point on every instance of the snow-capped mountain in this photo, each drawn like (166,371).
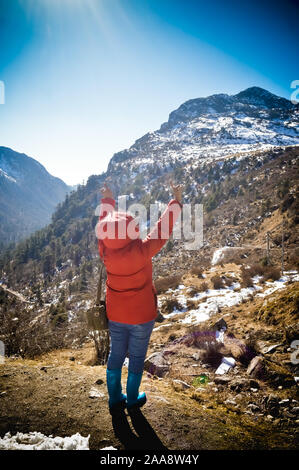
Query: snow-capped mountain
(28,195)
(204,129)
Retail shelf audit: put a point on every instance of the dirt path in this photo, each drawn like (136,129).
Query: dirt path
(16,294)
(51,395)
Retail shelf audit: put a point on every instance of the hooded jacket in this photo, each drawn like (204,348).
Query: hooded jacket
(130,293)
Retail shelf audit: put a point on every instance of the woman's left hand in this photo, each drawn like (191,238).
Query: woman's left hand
(106,191)
(177,190)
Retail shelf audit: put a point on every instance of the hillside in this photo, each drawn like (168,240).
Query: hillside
(190,407)
(206,129)
(242,201)
(238,156)
(28,194)
(245,194)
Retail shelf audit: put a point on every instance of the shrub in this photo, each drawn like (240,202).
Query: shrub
(193,290)
(212,355)
(246,279)
(264,261)
(217,282)
(202,379)
(172,337)
(268,272)
(164,283)
(203,287)
(256,270)
(272,273)
(170,305)
(191,304)
(197,271)
(287,203)
(228,281)
(294,261)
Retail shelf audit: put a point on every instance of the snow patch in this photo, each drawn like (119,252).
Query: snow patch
(216,299)
(10,178)
(280,284)
(38,441)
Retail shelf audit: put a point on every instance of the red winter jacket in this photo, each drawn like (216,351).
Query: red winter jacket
(131,295)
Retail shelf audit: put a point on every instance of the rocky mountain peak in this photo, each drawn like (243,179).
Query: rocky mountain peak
(213,127)
(246,101)
(260,97)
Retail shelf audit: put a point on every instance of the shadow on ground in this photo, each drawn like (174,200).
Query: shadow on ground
(146,438)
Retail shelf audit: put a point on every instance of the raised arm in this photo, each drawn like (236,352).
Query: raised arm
(107,206)
(107,201)
(157,238)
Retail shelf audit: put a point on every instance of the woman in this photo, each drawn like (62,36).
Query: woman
(131,298)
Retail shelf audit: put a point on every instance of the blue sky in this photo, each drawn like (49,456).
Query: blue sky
(86,78)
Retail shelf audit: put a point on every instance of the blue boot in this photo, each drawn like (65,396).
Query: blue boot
(134,399)
(117,399)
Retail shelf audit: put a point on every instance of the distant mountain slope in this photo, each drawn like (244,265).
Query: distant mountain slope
(204,129)
(28,195)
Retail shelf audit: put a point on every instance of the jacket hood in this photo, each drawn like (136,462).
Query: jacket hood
(118,229)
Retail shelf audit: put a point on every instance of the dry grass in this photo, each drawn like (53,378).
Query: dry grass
(212,355)
(228,281)
(191,304)
(169,305)
(246,278)
(193,290)
(267,273)
(217,282)
(282,308)
(203,287)
(197,271)
(272,273)
(165,283)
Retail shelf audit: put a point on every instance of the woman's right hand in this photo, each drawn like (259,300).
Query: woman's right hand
(106,191)
(177,190)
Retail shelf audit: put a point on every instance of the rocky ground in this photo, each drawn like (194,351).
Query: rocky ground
(52,395)
(253,405)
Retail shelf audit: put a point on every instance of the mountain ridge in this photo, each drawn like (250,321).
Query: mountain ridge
(252,96)
(29,195)
(216,126)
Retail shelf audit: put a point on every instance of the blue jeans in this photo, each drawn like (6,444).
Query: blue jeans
(132,339)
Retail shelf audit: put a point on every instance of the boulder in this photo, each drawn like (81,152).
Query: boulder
(265,370)
(99,382)
(239,384)
(253,407)
(156,364)
(220,325)
(271,404)
(220,380)
(291,332)
(238,349)
(257,368)
(180,386)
